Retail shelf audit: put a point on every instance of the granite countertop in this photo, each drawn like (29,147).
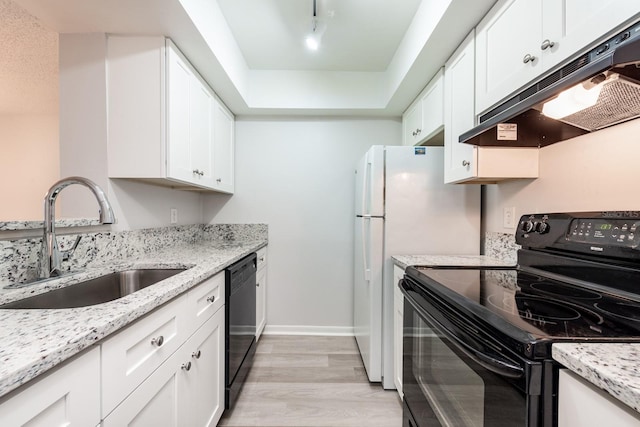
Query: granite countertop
(612,367)
(33,341)
(404,261)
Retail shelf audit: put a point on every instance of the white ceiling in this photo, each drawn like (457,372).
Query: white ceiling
(28,63)
(358,35)
(375,57)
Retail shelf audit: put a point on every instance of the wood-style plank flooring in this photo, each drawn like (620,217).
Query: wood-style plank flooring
(307,381)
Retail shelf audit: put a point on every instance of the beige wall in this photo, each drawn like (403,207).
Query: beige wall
(597,171)
(29,164)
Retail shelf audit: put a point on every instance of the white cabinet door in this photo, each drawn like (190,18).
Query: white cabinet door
(465,162)
(398,323)
(223,148)
(571,24)
(186,390)
(68,396)
(412,124)
(203,385)
(261,292)
(433,107)
(165,125)
(504,38)
(156,401)
(582,404)
(460,161)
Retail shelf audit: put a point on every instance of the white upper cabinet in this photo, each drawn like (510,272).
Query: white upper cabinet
(519,40)
(166,125)
(465,162)
(424,118)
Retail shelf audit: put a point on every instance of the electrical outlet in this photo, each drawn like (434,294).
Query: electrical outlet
(509,217)
(174,216)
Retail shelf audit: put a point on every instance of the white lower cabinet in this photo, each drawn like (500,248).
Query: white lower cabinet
(261,292)
(68,396)
(186,390)
(398,321)
(580,403)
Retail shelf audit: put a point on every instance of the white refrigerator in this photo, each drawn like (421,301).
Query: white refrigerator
(403,207)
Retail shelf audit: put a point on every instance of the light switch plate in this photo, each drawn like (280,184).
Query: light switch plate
(174,216)
(509,217)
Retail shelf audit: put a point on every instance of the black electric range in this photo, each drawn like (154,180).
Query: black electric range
(577,280)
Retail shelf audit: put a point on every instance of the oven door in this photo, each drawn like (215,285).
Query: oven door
(455,375)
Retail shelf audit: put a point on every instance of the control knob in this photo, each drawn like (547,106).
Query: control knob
(528,226)
(542,227)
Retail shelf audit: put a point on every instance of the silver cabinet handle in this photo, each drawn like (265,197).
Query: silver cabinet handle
(198,172)
(528,58)
(186,366)
(158,341)
(547,44)
(212,298)
(219,180)
(258,284)
(196,354)
(416,132)
(465,163)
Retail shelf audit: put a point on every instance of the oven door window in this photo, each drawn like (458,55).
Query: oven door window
(445,387)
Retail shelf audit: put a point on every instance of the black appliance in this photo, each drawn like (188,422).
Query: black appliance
(477,341)
(240,326)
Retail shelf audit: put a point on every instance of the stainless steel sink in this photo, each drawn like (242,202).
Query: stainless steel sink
(96,291)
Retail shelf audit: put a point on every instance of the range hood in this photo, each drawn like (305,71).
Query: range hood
(609,74)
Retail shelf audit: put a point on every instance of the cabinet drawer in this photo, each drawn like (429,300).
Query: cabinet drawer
(262,258)
(133,354)
(205,299)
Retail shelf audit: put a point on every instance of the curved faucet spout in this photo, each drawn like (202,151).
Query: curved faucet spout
(50,256)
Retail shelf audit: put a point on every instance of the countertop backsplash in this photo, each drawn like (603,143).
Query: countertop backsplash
(19,258)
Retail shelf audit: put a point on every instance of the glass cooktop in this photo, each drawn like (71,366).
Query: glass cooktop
(541,306)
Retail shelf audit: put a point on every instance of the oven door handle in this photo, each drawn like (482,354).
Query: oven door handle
(500,366)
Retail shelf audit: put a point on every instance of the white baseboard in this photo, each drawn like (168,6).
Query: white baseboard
(344,331)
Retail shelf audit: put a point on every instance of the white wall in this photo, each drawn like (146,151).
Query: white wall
(83,146)
(297,175)
(29,164)
(597,171)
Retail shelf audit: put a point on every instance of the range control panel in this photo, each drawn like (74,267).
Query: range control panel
(613,233)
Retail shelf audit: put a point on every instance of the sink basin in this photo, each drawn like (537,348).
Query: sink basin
(96,291)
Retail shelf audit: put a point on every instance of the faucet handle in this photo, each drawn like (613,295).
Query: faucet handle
(67,254)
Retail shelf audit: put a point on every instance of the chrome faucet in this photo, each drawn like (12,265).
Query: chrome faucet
(51,257)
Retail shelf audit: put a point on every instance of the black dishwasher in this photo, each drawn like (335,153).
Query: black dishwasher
(240,326)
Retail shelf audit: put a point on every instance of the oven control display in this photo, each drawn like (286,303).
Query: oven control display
(605,232)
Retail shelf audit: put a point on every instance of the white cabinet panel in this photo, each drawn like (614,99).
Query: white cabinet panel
(133,354)
(424,118)
(165,124)
(261,292)
(465,162)
(520,40)
(582,404)
(205,299)
(398,323)
(68,396)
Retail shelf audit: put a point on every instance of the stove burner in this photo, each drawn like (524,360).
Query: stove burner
(623,309)
(565,290)
(536,309)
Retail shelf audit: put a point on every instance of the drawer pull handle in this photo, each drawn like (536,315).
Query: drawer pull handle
(186,366)
(528,58)
(157,341)
(547,44)
(211,299)
(465,163)
(196,354)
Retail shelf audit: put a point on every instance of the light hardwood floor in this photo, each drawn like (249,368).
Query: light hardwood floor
(305,381)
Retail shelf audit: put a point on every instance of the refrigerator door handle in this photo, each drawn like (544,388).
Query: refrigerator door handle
(365,260)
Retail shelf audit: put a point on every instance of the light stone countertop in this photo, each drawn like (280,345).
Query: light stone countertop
(404,261)
(613,367)
(34,341)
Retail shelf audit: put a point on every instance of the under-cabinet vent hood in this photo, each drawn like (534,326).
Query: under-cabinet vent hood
(597,89)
